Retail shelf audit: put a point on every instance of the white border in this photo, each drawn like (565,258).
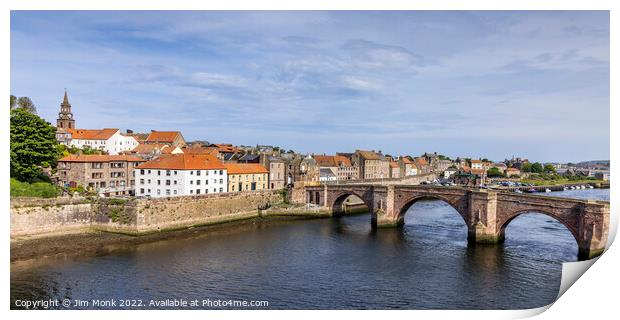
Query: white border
(595,295)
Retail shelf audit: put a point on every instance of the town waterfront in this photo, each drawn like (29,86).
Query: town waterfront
(339,263)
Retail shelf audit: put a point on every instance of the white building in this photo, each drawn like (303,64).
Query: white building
(181,175)
(326,174)
(450,172)
(109,140)
(476,164)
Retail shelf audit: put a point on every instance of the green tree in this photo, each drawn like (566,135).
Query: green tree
(33,145)
(537,167)
(549,168)
(26,104)
(526,167)
(13,101)
(494,172)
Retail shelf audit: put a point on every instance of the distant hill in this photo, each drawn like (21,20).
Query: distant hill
(595,163)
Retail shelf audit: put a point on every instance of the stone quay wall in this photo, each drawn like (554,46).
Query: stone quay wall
(134,216)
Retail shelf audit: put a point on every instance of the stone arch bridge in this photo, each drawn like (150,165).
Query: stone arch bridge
(485,212)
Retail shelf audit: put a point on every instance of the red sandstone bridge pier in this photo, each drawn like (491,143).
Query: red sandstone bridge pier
(485,212)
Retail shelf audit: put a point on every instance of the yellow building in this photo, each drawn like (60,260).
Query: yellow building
(246,177)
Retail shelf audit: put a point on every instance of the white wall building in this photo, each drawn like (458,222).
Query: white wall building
(476,164)
(109,140)
(181,175)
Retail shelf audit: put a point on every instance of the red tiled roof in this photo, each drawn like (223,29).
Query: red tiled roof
(369,155)
(344,160)
(162,136)
(245,168)
(148,148)
(394,164)
(182,161)
(100,158)
(475,161)
(200,150)
(224,148)
(421,161)
(92,134)
(332,161)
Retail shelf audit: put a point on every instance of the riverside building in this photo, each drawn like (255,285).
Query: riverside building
(181,175)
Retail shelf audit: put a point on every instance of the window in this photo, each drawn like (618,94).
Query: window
(149,171)
(221,180)
(206,190)
(207,182)
(197,172)
(159,172)
(175,182)
(149,181)
(207,172)
(97,165)
(158,192)
(221,189)
(175,192)
(197,191)
(191,192)
(221,172)
(191,172)
(167,182)
(191,182)
(167,192)
(168,172)
(175,172)
(141,181)
(159,182)
(197,182)
(141,190)
(149,190)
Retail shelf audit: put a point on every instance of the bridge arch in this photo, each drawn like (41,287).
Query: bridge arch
(341,197)
(507,219)
(412,200)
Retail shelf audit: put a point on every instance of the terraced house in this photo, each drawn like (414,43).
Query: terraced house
(371,165)
(108,175)
(172,138)
(340,166)
(246,177)
(181,174)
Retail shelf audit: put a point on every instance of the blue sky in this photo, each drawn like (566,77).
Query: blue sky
(479,84)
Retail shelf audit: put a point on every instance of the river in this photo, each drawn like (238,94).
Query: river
(338,263)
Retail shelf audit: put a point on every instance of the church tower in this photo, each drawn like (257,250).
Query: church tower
(65,117)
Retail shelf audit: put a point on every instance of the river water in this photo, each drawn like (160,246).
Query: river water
(338,263)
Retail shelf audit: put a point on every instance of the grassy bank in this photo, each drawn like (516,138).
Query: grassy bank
(37,189)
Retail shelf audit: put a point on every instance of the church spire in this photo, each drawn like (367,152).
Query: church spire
(65,116)
(65,101)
